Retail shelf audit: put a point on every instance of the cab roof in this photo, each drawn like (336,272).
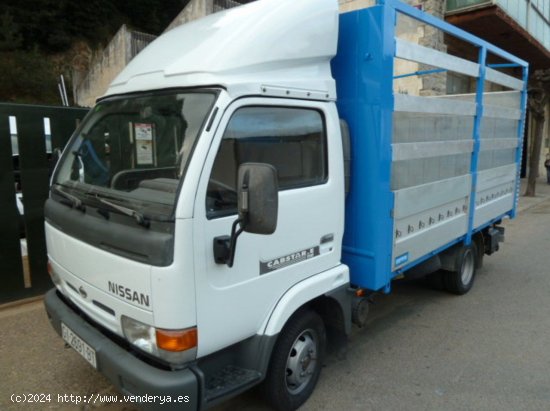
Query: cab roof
(265,47)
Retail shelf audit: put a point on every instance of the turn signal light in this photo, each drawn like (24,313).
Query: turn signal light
(177,340)
(53,275)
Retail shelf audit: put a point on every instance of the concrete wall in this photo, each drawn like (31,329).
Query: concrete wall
(194,10)
(118,53)
(123,47)
(104,68)
(107,65)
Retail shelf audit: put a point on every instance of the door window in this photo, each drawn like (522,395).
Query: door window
(293,140)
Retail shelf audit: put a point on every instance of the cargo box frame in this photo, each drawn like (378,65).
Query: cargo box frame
(390,229)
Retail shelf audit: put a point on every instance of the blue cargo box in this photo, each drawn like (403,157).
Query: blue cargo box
(427,172)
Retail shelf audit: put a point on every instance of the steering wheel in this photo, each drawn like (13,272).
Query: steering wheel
(222,186)
(221,196)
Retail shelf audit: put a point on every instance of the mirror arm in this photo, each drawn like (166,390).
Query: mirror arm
(233,241)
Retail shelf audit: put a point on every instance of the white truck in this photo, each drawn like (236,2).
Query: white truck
(221,216)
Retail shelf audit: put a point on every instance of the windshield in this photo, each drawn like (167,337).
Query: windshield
(135,150)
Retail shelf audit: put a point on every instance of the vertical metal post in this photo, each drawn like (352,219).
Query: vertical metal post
(387,23)
(364,67)
(521,133)
(34,168)
(390,24)
(476,136)
(11,276)
(61,94)
(66,99)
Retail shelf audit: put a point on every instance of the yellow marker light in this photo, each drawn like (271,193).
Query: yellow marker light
(49,268)
(177,340)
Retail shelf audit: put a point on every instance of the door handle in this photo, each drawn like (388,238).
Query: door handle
(327,244)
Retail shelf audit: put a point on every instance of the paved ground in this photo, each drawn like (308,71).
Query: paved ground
(422,349)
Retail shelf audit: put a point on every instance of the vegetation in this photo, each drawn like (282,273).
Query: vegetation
(36,35)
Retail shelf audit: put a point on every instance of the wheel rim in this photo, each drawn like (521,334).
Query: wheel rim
(467,267)
(301,362)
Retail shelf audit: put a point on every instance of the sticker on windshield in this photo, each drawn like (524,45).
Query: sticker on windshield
(289,259)
(144,143)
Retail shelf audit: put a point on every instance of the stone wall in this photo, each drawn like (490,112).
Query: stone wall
(350,5)
(410,30)
(433,84)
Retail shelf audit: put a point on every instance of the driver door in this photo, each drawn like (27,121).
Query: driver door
(291,135)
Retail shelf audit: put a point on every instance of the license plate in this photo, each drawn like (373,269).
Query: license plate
(87,352)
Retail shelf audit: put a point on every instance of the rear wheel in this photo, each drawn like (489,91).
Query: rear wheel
(461,281)
(296,361)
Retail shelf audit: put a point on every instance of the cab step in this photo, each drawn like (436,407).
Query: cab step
(228,380)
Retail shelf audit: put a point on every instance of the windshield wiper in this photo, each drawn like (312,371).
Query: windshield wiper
(74,202)
(140,218)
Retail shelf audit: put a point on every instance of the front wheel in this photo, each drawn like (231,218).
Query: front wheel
(296,361)
(461,280)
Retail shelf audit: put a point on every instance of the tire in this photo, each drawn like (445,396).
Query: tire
(295,362)
(459,282)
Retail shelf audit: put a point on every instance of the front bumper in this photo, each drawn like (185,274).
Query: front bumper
(130,375)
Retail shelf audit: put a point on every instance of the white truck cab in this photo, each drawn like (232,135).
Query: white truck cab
(146,192)
(202,221)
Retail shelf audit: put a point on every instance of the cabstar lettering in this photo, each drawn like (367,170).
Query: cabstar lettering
(129,294)
(285,261)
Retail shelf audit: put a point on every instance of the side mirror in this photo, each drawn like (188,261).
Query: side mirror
(258,198)
(258,205)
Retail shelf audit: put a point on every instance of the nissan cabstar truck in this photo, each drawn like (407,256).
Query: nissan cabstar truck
(251,179)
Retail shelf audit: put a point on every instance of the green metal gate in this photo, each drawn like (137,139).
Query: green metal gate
(24,127)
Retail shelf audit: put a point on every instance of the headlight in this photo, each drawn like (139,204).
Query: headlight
(174,346)
(139,334)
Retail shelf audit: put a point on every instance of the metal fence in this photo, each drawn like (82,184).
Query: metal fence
(138,41)
(28,135)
